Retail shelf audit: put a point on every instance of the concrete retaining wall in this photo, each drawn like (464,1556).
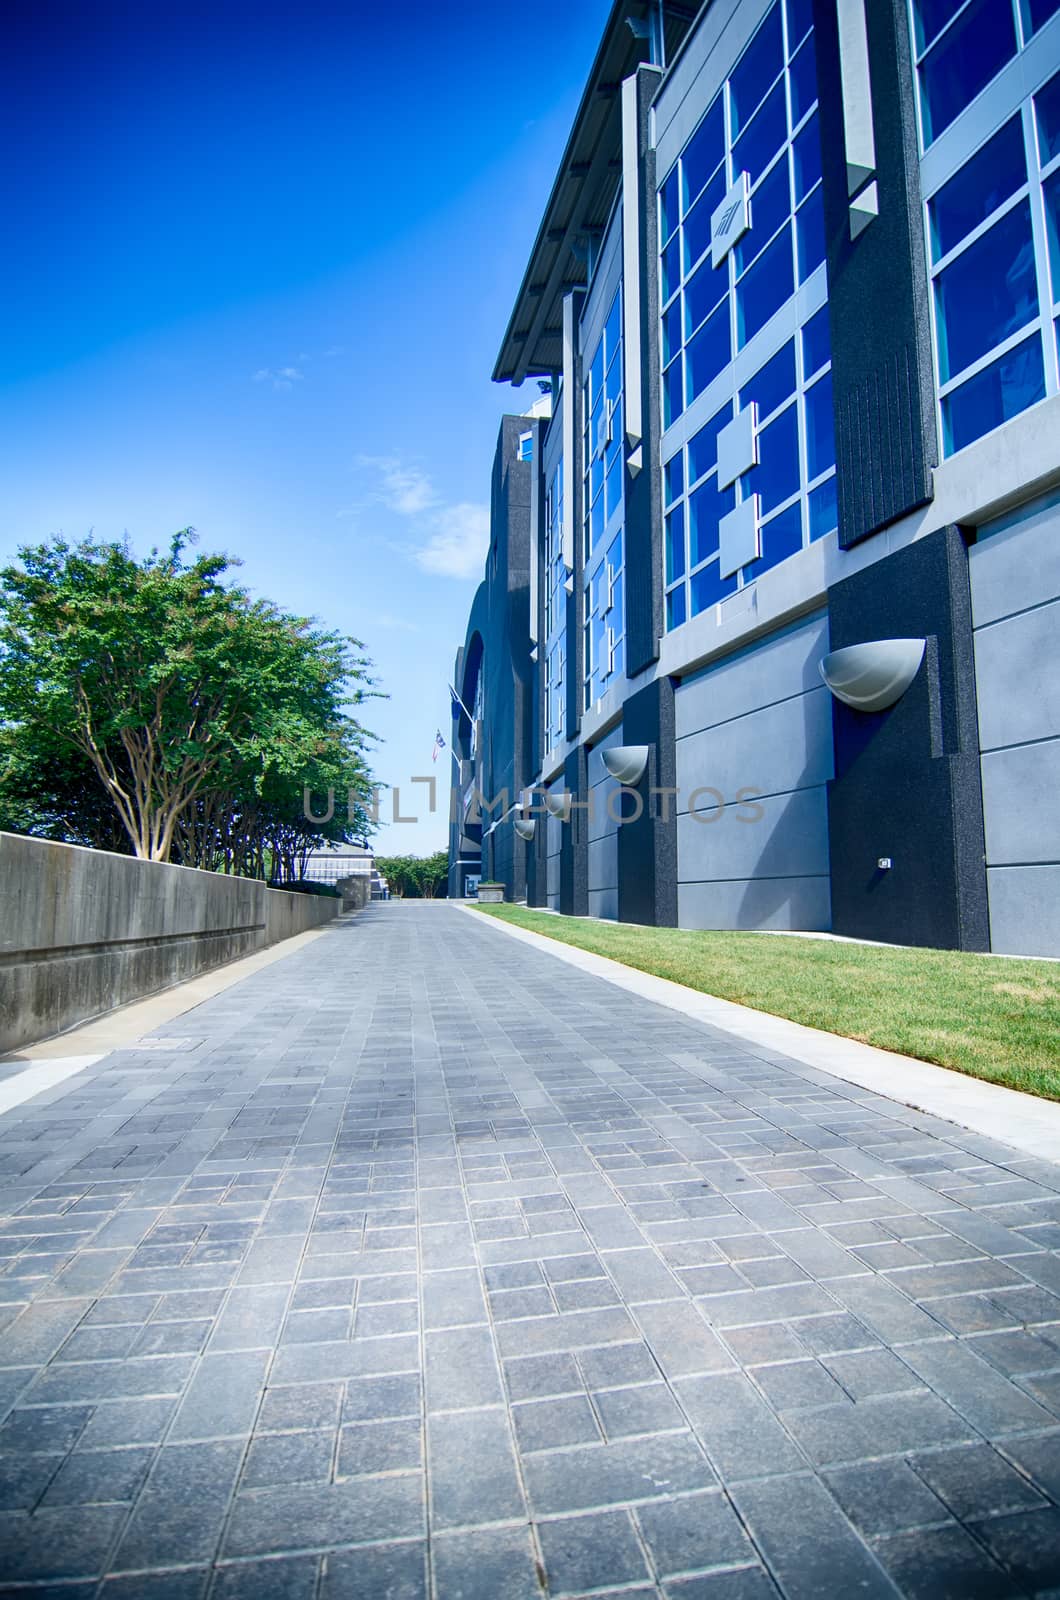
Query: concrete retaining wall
(83,931)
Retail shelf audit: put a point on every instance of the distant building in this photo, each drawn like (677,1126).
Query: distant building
(333,862)
(796,292)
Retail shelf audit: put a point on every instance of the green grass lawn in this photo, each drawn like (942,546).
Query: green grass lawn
(993,1018)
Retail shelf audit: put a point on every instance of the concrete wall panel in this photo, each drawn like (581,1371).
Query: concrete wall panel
(1024,910)
(788,904)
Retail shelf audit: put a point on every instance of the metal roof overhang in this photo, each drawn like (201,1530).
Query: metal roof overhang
(584,191)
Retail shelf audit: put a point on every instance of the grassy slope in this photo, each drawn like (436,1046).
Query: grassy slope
(995,1019)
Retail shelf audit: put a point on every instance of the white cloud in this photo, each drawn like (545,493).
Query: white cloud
(457,547)
(404,489)
(454,537)
(279,377)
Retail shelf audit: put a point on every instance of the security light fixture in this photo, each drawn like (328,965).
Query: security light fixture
(626,762)
(558,803)
(524,827)
(873,676)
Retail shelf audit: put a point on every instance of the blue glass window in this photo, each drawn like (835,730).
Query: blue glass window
(772,384)
(763,137)
(612,330)
(999,392)
(800,17)
(674,476)
(780,539)
(994,172)
(613,492)
(671,267)
(770,206)
(668,207)
(708,353)
(987,293)
(764,288)
(756,70)
(703,153)
(816,343)
(672,334)
(702,293)
(675,544)
(776,477)
(675,608)
(806,158)
(673,392)
(1038,12)
(803,82)
(708,587)
(697,223)
(823,511)
(703,446)
(1047,106)
(820,428)
(931,17)
(963,62)
(1051,191)
(706,507)
(809,229)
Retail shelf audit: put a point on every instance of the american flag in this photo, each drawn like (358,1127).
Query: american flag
(439,744)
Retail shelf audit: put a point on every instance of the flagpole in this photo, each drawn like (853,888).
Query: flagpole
(462,706)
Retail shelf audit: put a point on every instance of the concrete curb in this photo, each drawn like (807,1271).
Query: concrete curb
(1023,1121)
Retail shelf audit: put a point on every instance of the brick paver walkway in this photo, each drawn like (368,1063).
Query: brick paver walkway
(423,1264)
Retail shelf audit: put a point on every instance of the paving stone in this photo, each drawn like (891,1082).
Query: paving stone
(614,1221)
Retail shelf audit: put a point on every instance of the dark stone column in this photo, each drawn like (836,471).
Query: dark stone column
(882,377)
(574,853)
(647,836)
(907,780)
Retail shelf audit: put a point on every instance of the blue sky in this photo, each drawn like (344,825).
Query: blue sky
(257,269)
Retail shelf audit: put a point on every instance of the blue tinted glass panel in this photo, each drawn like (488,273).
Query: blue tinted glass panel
(1000,391)
(708,587)
(703,446)
(702,294)
(770,204)
(780,539)
(995,172)
(671,267)
(668,213)
(675,545)
(987,293)
(816,344)
(672,334)
(756,70)
(708,352)
(800,17)
(612,330)
(764,288)
(697,223)
(673,393)
(823,513)
(703,152)
(809,234)
(1051,191)
(820,428)
(806,159)
(803,76)
(759,143)
(777,475)
(931,17)
(963,62)
(706,507)
(675,608)
(772,384)
(614,484)
(1047,105)
(1039,11)
(674,474)
(596,374)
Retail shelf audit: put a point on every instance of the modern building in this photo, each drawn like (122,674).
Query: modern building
(771,613)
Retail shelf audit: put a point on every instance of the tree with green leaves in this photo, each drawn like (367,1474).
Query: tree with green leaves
(199,712)
(415,877)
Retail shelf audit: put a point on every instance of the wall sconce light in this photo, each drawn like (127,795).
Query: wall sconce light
(871,677)
(626,762)
(524,827)
(558,804)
